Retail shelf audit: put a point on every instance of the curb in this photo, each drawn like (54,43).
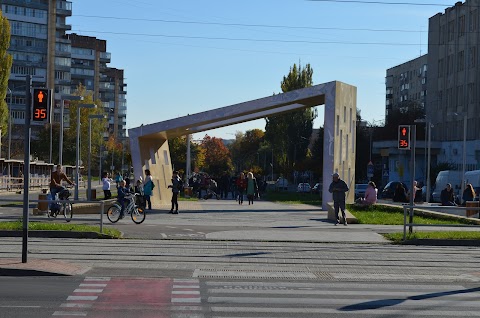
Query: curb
(432,242)
(55,234)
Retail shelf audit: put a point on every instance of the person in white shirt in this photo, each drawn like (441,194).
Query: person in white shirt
(106,185)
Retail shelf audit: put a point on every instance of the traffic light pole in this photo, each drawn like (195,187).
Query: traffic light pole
(26,168)
(413,141)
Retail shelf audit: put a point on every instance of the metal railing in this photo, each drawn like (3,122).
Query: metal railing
(45,217)
(408,210)
(8,183)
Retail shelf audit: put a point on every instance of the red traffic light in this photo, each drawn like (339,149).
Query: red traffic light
(40,105)
(404,137)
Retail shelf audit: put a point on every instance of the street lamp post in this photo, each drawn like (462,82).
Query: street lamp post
(9,125)
(62,109)
(90,117)
(464,159)
(77,160)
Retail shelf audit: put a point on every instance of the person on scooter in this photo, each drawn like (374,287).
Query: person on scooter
(56,181)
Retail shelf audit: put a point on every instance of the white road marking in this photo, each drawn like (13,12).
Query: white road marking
(185,286)
(185,292)
(81,290)
(75,305)
(82,297)
(186,300)
(69,313)
(93,285)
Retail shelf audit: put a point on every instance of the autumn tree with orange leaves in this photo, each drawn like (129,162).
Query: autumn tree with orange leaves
(217,156)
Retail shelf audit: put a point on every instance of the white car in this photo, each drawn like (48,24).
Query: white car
(281,183)
(303,187)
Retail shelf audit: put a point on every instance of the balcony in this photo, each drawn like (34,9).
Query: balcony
(105,57)
(64,8)
(61,26)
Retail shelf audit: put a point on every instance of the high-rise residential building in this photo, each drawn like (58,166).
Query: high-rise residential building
(454,72)
(39,48)
(406,85)
(112,93)
(89,68)
(454,82)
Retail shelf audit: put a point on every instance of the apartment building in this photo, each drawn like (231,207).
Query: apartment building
(454,76)
(39,48)
(406,85)
(89,68)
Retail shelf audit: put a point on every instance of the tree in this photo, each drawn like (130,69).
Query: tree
(404,113)
(289,133)
(178,152)
(5,66)
(98,128)
(217,156)
(245,150)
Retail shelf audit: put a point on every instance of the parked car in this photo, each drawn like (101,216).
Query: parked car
(303,187)
(360,190)
(281,184)
(317,188)
(389,189)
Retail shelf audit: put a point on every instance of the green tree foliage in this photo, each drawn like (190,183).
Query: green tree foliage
(288,133)
(178,152)
(245,150)
(402,114)
(217,156)
(5,66)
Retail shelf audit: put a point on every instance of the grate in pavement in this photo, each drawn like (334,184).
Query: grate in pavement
(242,274)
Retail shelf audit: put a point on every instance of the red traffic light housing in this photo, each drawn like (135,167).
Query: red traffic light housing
(41,102)
(404,137)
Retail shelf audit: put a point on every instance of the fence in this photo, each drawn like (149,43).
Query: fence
(14,183)
(406,213)
(75,203)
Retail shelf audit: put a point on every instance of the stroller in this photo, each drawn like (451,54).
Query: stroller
(212,191)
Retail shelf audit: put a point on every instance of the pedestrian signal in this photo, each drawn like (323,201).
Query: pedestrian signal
(404,137)
(41,98)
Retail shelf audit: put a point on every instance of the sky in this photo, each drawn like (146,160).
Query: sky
(187,56)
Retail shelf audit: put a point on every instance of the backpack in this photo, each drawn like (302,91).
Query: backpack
(153,184)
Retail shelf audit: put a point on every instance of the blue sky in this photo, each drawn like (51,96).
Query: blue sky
(186,56)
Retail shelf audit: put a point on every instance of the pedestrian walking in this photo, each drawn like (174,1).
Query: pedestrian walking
(337,188)
(252,187)
(148,187)
(241,187)
(176,185)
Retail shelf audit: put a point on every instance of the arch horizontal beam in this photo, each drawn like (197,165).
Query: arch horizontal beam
(235,114)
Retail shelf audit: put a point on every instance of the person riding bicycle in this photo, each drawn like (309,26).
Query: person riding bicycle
(56,181)
(122,192)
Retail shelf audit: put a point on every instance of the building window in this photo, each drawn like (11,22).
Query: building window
(460,61)
(461,26)
(459,95)
(450,64)
(472,56)
(440,67)
(451,30)
(471,93)
(473,20)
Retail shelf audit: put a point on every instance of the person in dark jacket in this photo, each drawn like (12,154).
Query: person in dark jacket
(468,194)
(337,188)
(176,186)
(400,194)
(446,196)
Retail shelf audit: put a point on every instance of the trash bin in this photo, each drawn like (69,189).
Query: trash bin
(471,204)
(93,192)
(42,206)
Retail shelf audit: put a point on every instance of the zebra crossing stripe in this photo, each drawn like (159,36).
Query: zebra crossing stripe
(363,313)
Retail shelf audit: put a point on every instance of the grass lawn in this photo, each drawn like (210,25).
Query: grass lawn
(383,215)
(17,225)
(450,235)
(293,198)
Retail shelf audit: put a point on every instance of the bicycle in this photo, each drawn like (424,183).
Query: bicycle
(137,213)
(64,208)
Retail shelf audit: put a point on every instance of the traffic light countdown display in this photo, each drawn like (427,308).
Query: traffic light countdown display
(404,137)
(41,103)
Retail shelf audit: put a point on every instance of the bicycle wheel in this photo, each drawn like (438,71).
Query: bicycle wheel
(67,211)
(138,215)
(113,213)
